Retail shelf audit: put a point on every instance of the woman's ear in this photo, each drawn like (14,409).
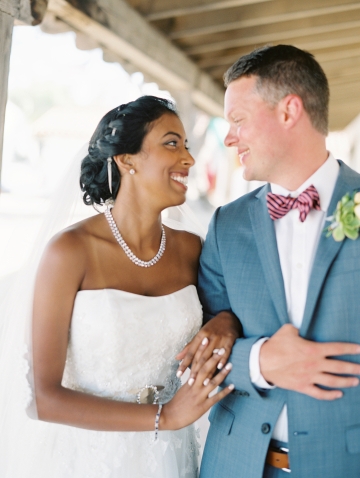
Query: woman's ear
(291,109)
(125,163)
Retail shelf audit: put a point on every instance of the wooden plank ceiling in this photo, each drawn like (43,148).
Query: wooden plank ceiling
(195,41)
(215,33)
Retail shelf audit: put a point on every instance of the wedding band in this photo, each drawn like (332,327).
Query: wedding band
(215,351)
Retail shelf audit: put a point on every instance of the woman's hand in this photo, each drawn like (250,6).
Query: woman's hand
(192,400)
(217,336)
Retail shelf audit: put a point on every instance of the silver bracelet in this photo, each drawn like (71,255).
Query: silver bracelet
(157,419)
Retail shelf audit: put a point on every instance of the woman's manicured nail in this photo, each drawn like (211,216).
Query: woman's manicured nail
(205,340)
(221,351)
(231,386)
(228,366)
(206,382)
(220,366)
(179,373)
(215,351)
(191,381)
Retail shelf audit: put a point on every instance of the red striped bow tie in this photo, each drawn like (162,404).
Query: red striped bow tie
(278,205)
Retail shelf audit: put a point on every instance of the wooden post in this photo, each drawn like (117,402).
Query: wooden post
(29,12)
(6,28)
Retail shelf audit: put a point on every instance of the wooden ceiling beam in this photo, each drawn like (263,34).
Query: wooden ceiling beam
(131,39)
(341,91)
(329,43)
(264,20)
(344,68)
(334,73)
(199,7)
(29,12)
(343,107)
(340,116)
(346,107)
(337,55)
(342,75)
(343,103)
(345,81)
(251,12)
(276,36)
(347,47)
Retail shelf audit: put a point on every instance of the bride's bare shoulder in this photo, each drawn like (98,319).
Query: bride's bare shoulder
(190,244)
(74,241)
(65,261)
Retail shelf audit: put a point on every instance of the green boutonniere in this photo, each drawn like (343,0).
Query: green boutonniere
(346,218)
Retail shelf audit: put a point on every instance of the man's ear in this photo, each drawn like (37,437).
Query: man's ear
(290,109)
(125,163)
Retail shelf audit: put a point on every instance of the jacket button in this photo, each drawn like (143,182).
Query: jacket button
(265,428)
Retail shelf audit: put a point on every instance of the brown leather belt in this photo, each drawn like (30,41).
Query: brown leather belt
(278,458)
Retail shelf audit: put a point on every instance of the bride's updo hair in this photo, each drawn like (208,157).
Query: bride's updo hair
(120,131)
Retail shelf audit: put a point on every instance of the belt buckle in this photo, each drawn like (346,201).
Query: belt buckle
(286,450)
(147,394)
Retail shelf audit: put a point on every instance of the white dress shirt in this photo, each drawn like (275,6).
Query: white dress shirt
(297,243)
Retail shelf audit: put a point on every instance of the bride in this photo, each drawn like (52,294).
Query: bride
(115,301)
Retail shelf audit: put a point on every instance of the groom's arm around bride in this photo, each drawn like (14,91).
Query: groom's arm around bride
(267,259)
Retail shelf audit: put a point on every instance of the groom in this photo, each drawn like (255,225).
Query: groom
(296,292)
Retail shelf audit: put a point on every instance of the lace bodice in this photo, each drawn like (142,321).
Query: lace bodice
(119,342)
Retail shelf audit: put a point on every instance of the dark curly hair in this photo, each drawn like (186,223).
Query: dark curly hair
(282,70)
(122,130)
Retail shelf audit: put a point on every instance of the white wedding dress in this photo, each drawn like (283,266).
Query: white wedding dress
(119,342)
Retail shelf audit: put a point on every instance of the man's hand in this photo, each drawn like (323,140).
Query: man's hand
(219,335)
(291,362)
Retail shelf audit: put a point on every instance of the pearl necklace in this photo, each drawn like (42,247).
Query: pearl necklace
(127,249)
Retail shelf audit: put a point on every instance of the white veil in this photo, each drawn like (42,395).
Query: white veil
(183,218)
(16,383)
(25,442)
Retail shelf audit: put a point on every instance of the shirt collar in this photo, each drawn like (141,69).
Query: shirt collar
(324,179)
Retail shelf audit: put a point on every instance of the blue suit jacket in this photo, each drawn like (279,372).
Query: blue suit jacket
(240,271)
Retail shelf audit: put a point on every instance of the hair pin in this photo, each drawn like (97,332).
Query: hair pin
(109,168)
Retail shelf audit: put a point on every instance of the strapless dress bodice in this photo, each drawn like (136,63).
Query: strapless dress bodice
(120,342)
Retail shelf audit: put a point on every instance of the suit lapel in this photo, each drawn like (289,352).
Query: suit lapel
(328,249)
(264,234)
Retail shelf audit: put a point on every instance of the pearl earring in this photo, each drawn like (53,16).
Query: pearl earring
(132,171)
